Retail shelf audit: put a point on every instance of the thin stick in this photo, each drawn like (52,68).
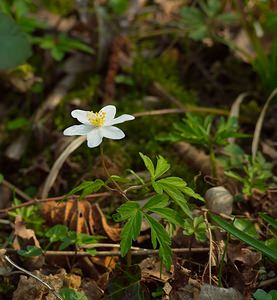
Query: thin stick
(210,247)
(140,252)
(16,189)
(47,285)
(59,198)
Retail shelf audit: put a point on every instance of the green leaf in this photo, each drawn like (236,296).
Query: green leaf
(162,167)
(1,178)
(126,211)
(70,294)
(169,214)
(148,164)
(190,192)
(173,181)
(30,251)
(57,233)
(262,295)
(163,238)
(130,232)
(87,187)
(246,226)
(258,245)
(227,18)
(92,252)
(156,201)
(15,48)
(17,123)
(118,6)
(269,220)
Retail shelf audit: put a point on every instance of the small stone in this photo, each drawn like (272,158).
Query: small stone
(219,200)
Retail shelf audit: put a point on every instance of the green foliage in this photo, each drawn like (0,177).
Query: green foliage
(198,130)
(87,188)
(30,215)
(1,178)
(12,39)
(167,188)
(255,173)
(262,295)
(17,123)
(60,233)
(60,45)
(253,242)
(70,294)
(30,251)
(203,22)
(269,220)
(196,227)
(60,7)
(119,7)
(247,227)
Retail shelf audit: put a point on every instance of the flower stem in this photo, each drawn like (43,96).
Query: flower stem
(118,187)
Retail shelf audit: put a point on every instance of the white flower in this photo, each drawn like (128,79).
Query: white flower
(96,125)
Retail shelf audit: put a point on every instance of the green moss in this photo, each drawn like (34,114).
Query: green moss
(164,70)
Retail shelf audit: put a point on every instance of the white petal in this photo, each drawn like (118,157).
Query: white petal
(78,130)
(94,138)
(110,111)
(112,132)
(80,115)
(120,119)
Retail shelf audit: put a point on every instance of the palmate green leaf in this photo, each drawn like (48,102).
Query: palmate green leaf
(157,201)
(158,231)
(15,47)
(176,196)
(269,220)
(258,245)
(162,167)
(173,181)
(148,164)
(190,192)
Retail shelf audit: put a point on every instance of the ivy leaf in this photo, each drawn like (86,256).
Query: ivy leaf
(162,167)
(148,164)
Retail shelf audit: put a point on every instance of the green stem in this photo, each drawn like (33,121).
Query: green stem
(118,187)
(212,160)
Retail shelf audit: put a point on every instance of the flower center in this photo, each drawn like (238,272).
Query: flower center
(97,119)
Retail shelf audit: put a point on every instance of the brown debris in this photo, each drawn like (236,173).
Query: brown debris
(80,216)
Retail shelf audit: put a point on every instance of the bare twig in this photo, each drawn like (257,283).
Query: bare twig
(138,252)
(59,198)
(210,248)
(47,285)
(17,190)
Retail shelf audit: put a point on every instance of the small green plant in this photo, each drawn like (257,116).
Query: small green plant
(196,227)
(30,215)
(262,295)
(70,294)
(61,44)
(252,173)
(198,130)
(60,233)
(169,190)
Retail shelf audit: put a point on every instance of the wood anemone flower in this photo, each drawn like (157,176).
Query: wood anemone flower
(97,125)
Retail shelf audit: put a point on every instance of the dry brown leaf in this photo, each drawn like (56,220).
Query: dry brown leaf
(80,216)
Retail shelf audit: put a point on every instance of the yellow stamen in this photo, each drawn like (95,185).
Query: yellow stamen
(97,119)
